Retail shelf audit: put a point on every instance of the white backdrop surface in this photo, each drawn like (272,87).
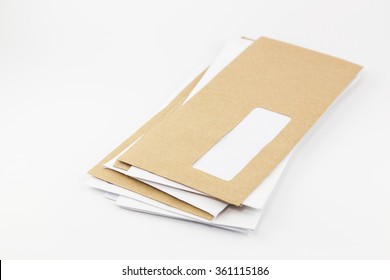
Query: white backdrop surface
(78,77)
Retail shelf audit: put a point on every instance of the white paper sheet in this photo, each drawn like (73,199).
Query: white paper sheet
(134,205)
(206,203)
(244,218)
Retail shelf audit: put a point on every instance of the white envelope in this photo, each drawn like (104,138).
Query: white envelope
(233,218)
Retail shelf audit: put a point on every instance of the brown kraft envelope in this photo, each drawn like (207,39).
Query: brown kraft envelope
(280,77)
(129,183)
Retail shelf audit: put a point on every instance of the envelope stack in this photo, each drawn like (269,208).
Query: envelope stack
(216,150)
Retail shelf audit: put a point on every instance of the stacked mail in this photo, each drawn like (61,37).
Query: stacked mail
(216,150)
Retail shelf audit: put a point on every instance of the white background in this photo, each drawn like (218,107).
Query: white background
(78,77)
